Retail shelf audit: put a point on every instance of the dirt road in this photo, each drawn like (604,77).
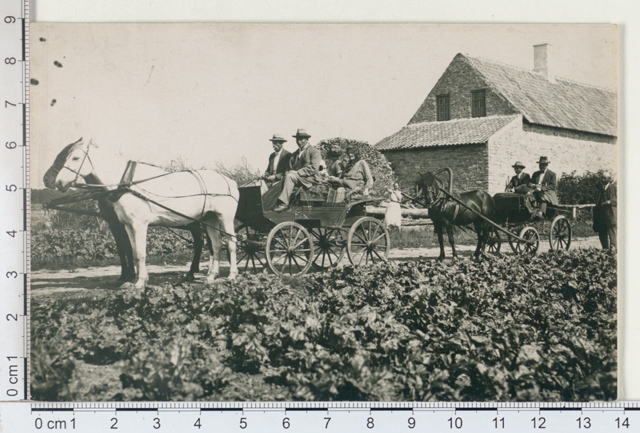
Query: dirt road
(45,282)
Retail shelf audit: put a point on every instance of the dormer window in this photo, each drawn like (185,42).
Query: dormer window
(478,104)
(442,103)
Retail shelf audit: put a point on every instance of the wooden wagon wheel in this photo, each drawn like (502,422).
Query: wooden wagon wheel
(513,240)
(532,238)
(368,241)
(329,247)
(251,248)
(289,249)
(494,242)
(560,233)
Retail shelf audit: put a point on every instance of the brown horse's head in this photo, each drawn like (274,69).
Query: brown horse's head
(429,184)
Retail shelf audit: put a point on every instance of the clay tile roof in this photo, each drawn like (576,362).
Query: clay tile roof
(560,103)
(449,133)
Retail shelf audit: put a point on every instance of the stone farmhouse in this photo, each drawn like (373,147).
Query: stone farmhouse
(482,116)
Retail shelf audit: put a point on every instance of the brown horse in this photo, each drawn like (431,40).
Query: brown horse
(446,212)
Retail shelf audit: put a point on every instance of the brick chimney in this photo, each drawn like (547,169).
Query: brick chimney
(541,57)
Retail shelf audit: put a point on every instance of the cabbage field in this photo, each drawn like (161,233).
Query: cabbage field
(504,328)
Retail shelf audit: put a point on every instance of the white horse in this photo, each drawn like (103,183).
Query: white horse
(170,199)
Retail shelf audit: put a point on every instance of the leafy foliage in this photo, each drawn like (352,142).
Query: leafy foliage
(52,248)
(506,328)
(581,189)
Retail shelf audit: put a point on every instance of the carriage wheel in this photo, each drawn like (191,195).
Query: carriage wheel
(494,242)
(289,249)
(560,233)
(513,242)
(368,242)
(532,238)
(328,244)
(251,248)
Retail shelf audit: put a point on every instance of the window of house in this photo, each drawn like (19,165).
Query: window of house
(478,105)
(442,102)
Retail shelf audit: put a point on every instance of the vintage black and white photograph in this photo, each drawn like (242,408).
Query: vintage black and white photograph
(324,212)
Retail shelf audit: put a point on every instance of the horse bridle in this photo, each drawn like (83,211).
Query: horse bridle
(77,173)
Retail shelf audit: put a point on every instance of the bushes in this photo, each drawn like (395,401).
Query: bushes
(583,189)
(506,328)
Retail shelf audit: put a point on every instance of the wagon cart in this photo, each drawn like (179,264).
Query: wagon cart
(514,221)
(315,231)
(523,229)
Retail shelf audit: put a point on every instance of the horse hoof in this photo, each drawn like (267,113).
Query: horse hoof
(232,277)
(140,285)
(126,285)
(189,277)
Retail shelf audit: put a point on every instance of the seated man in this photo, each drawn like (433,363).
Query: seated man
(356,177)
(520,179)
(278,160)
(303,170)
(544,183)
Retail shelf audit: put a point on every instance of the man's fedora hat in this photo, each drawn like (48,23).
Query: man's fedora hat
(278,137)
(302,133)
(543,160)
(518,164)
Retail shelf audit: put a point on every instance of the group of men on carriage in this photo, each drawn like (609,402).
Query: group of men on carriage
(540,188)
(540,191)
(345,172)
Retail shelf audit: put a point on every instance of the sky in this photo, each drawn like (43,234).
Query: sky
(215,93)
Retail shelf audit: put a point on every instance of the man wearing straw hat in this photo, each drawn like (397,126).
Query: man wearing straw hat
(278,160)
(304,169)
(520,178)
(544,183)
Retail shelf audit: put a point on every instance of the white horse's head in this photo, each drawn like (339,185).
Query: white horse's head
(72,164)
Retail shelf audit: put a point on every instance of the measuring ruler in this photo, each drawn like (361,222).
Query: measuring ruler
(349,417)
(14,199)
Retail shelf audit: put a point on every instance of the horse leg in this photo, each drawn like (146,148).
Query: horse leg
(198,242)
(123,246)
(481,232)
(138,237)
(452,241)
(216,244)
(438,229)
(230,234)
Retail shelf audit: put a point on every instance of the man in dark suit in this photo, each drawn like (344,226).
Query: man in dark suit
(304,167)
(278,160)
(605,216)
(521,178)
(544,184)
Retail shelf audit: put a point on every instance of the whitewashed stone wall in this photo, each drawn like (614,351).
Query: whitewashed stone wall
(513,143)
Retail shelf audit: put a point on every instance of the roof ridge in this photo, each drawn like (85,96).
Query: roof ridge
(463,119)
(606,89)
(557,77)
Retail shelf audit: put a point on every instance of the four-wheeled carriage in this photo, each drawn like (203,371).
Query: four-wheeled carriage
(513,213)
(315,232)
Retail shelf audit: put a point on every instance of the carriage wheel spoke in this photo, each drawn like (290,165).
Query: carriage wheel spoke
(281,242)
(299,243)
(296,262)
(360,237)
(376,253)
(378,238)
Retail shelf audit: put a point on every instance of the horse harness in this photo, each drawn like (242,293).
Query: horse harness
(126,183)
